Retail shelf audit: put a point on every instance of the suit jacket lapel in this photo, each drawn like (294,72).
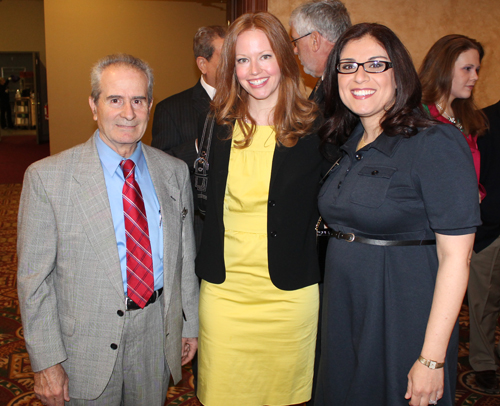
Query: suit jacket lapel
(92,205)
(169,197)
(201,99)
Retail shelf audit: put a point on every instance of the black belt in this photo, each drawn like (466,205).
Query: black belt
(350,237)
(131,305)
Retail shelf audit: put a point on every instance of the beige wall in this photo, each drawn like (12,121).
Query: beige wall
(419,23)
(22,27)
(78,33)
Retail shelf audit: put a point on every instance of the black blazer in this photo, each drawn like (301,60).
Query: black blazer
(292,213)
(175,122)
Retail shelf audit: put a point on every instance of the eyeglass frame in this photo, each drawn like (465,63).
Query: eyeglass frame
(293,41)
(388,65)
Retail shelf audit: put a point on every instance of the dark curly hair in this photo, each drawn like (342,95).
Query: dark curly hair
(405,116)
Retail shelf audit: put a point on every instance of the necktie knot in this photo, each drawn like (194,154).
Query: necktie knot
(128,167)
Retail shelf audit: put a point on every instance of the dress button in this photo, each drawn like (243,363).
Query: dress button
(120,313)
(374,172)
(358,157)
(272,203)
(113,346)
(274,234)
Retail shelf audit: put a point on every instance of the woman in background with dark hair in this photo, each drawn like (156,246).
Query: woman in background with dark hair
(403,229)
(257,260)
(448,75)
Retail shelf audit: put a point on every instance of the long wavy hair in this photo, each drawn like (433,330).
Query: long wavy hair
(436,76)
(293,115)
(403,117)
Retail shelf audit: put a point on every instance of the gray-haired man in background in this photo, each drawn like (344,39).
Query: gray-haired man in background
(315,27)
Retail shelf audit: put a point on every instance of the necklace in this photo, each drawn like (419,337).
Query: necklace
(362,143)
(451,119)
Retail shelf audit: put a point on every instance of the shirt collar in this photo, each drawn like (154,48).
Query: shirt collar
(110,159)
(209,89)
(385,144)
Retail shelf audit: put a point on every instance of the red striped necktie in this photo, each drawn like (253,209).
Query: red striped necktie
(140,279)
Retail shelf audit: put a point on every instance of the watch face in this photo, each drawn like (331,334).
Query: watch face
(432,364)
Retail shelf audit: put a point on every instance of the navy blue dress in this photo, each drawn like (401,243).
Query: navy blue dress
(377,300)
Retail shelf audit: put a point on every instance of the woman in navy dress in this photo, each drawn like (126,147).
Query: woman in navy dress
(402,206)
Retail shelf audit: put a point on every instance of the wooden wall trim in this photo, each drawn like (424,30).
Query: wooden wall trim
(235,8)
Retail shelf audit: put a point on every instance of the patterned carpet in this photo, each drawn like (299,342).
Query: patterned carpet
(16,377)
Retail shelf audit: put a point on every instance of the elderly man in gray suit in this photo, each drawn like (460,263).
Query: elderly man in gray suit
(106,250)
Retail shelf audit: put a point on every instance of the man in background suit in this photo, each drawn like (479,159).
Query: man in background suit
(106,282)
(315,27)
(484,280)
(175,122)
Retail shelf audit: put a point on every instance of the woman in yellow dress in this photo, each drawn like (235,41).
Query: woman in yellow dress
(257,260)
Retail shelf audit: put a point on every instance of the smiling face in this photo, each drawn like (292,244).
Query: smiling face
(367,95)
(465,75)
(122,111)
(257,68)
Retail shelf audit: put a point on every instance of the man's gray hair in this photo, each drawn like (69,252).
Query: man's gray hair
(204,38)
(120,60)
(329,17)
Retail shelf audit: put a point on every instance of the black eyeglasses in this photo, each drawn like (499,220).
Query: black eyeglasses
(296,39)
(370,67)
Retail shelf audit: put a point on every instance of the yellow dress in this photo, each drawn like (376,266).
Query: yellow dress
(256,342)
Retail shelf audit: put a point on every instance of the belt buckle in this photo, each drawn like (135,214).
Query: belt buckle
(349,237)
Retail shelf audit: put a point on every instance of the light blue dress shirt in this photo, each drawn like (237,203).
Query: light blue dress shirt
(113,176)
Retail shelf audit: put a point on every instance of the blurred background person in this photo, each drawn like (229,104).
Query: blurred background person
(314,27)
(398,260)
(484,281)
(5,110)
(257,259)
(176,118)
(448,75)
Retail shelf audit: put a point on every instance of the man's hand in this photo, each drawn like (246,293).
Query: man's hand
(51,386)
(189,347)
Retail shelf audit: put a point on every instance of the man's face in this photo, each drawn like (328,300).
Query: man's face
(302,49)
(211,65)
(122,111)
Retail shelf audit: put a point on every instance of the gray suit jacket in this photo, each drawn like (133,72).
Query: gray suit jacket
(69,278)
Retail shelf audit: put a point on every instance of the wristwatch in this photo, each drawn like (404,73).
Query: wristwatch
(430,364)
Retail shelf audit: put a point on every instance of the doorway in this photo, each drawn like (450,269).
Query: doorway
(26,86)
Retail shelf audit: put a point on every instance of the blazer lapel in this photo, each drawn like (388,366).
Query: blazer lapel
(92,205)
(280,155)
(220,160)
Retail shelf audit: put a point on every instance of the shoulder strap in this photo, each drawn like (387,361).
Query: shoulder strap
(201,164)
(329,170)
